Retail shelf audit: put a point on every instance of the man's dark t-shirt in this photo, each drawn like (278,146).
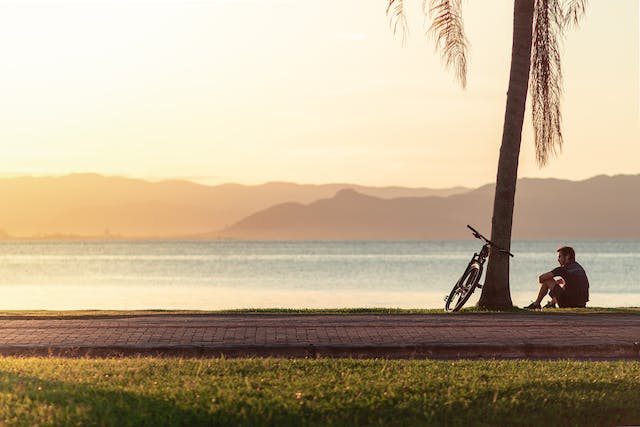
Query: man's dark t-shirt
(576,289)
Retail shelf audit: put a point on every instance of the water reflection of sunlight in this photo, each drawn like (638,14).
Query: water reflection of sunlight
(75,297)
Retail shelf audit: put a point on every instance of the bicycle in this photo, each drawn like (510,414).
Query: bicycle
(470,279)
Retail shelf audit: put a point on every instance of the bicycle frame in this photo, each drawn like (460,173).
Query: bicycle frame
(483,255)
(478,258)
(470,279)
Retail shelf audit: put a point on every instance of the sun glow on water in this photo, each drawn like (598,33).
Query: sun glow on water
(226,275)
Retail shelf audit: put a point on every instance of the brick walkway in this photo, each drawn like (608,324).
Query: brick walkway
(536,335)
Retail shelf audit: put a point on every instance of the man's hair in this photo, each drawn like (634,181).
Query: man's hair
(567,251)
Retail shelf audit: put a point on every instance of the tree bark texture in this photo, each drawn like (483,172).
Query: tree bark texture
(495,293)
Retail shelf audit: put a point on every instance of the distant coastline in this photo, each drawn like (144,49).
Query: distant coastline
(94,207)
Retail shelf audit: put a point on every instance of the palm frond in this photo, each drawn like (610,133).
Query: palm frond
(447,29)
(397,18)
(573,11)
(546,79)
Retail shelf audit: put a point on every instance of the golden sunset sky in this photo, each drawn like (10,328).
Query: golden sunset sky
(251,91)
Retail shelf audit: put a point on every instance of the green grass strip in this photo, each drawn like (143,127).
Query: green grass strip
(281,392)
(363,310)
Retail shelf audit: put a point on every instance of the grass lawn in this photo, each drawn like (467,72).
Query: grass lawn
(283,392)
(364,310)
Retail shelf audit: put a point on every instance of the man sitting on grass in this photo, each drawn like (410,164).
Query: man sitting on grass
(571,289)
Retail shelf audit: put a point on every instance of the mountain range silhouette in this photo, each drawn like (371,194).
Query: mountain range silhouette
(90,205)
(602,207)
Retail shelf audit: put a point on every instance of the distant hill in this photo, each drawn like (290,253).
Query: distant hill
(94,205)
(602,207)
(597,208)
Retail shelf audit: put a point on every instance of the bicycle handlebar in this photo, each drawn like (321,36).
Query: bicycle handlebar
(477,235)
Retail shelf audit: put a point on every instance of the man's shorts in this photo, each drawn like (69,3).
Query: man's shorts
(564,299)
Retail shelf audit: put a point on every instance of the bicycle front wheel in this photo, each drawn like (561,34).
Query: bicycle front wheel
(463,289)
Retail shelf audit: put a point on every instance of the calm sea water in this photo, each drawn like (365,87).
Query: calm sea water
(306,274)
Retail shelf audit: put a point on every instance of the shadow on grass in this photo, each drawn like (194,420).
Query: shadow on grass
(34,401)
(28,400)
(553,403)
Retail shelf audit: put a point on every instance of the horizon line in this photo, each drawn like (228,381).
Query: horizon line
(197,180)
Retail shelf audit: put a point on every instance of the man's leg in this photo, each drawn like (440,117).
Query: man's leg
(545,288)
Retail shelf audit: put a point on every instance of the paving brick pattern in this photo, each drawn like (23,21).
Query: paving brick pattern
(533,335)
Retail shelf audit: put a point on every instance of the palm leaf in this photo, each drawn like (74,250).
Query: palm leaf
(546,79)
(448,31)
(397,18)
(573,11)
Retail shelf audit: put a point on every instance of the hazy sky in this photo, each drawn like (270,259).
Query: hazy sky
(309,91)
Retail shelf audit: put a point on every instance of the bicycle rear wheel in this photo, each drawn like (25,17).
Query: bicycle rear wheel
(463,289)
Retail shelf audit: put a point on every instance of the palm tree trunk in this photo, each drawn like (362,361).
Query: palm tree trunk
(495,293)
